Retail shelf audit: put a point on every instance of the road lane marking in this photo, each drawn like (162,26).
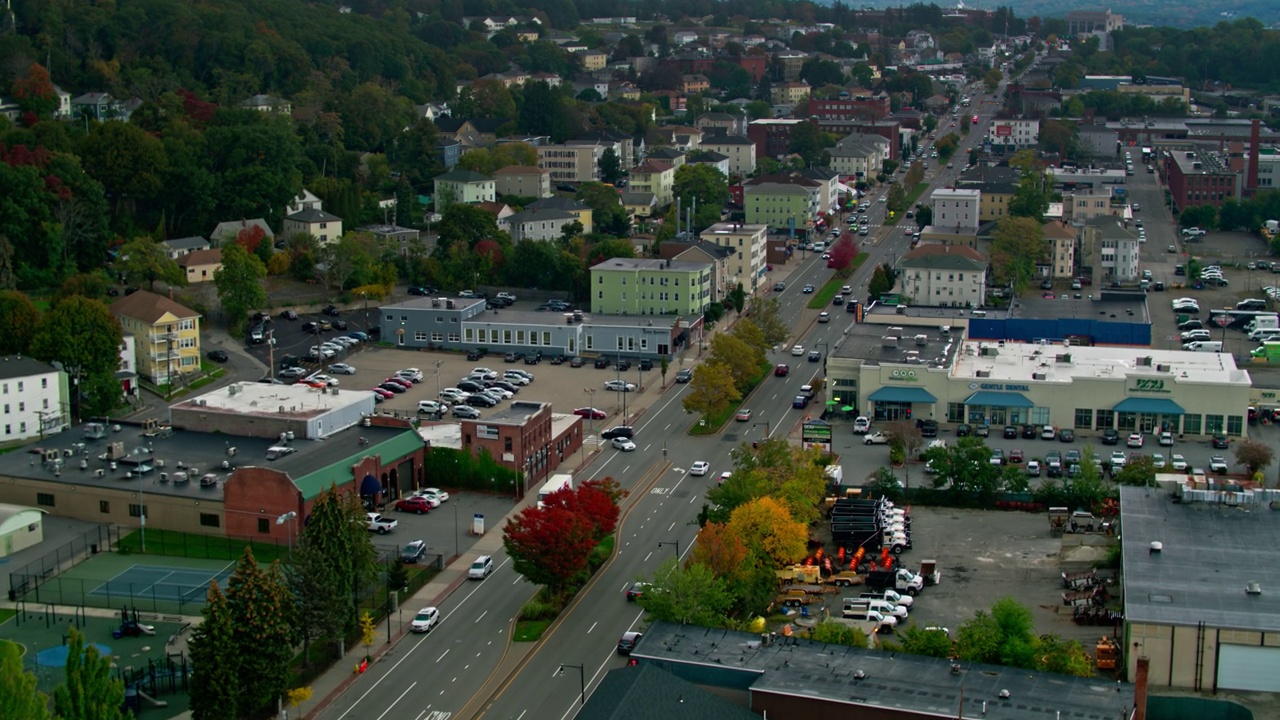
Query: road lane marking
(673,527)
(668,427)
(593,627)
(646,557)
(486,612)
(646,447)
(406,691)
(446,652)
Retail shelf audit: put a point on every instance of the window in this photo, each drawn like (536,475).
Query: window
(1039,416)
(1084,418)
(45,499)
(46,404)
(470,333)
(506,337)
(453,337)
(506,444)
(1235,425)
(1212,424)
(590,342)
(104,507)
(546,338)
(264,526)
(437,336)
(419,335)
(955,412)
(136,510)
(209,520)
(1126,421)
(1191,424)
(481,333)
(44,383)
(22,407)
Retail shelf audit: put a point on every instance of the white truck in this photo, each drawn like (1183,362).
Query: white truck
(1263,322)
(557,482)
(376,523)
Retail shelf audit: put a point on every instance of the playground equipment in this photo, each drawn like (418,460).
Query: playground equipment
(130,626)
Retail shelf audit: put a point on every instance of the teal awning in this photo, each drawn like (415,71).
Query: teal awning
(1158,406)
(991,398)
(903,395)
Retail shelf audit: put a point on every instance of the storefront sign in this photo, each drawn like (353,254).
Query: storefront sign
(1011,387)
(819,432)
(487,432)
(903,376)
(1150,385)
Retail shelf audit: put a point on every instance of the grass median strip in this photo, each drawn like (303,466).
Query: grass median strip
(822,298)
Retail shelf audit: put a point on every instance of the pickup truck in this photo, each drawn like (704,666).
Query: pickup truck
(376,523)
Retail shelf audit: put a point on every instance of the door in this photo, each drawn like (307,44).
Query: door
(1248,667)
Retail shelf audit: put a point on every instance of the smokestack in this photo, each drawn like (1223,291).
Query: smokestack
(1140,688)
(1251,179)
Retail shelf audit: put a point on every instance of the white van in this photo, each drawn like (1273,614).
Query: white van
(1204,346)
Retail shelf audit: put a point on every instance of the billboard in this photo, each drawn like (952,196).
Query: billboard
(1004,130)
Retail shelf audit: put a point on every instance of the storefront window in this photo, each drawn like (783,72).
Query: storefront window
(1084,418)
(1191,424)
(1039,416)
(1127,422)
(955,412)
(1212,424)
(1106,419)
(1235,425)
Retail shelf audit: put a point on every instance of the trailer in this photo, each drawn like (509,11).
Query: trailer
(1058,517)
(810,574)
(1079,598)
(847,578)
(1082,580)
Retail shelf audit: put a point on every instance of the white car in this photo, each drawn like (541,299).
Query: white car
(623,444)
(1166,439)
(342,369)
(431,406)
(1157,461)
(436,494)
(484,372)
(413,374)
(325,379)
(619,386)
(877,438)
(1218,464)
(1033,468)
(426,619)
(1135,440)
(700,468)
(515,378)
(452,395)
(724,476)
(1117,460)
(499,393)
(797,350)
(862,425)
(1177,462)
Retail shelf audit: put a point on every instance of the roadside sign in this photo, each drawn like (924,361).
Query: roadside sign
(1222,320)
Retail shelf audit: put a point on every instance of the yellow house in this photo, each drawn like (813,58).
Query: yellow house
(657,177)
(593,60)
(200,265)
(167,335)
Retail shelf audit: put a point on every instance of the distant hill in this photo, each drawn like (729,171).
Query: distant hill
(1171,13)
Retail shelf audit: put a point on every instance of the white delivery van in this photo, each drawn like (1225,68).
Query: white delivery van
(1204,346)
(560,481)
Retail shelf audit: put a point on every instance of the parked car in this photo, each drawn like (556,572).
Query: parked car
(414,504)
(590,413)
(1066,435)
(1219,441)
(685,375)
(342,369)
(861,425)
(1218,464)
(619,386)
(1134,440)
(218,356)
(876,438)
(414,551)
(465,411)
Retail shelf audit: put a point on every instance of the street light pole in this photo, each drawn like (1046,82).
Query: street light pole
(287,520)
(673,543)
(582,680)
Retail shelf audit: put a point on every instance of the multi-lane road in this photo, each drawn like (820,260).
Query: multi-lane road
(458,670)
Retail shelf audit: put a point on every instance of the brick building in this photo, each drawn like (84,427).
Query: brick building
(525,437)
(1200,178)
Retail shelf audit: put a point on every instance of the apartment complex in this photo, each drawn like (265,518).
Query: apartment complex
(746,264)
(572,163)
(34,398)
(629,286)
(944,276)
(166,335)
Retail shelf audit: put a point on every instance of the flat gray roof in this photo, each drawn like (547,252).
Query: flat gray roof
(879,679)
(865,341)
(203,451)
(1210,554)
(1089,307)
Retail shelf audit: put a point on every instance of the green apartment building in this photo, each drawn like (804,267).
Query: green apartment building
(627,286)
(777,205)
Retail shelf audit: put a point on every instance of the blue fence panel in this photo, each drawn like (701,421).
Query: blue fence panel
(1028,330)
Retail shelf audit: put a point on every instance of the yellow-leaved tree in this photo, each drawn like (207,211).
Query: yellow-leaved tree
(767,528)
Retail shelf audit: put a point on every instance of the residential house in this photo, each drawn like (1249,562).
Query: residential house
(178,247)
(672,156)
(10,110)
(1062,249)
(956,210)
(592,60)
(64,104)
(790,93)
(500,212)
(640,204)
(324,227)
(599,87)
(937,104)
(622,144)
(572,163)
(624,91)
(305,200)
(634,286)
(268,104)
(462,186)
(1086,203)
(470,132)
(739,149)
(35,397)
(681,137)
(401,237)
(450,152)
(944,276)
(828,181)
(747,242)
(98,106)
(522,181)
(719,123)
(712,158)
(1108,251)
(167,335)
(230,230)
(701,251)
(580,211)
(200,265)
(998,186)
(859,156)
(534,224)
(781,206)
(694,84)
(683,37)
(657,177)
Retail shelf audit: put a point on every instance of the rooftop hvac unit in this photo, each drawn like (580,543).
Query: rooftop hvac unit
(1162,368)
(984,373)
(1145,361)
(1039,376)
(1065,358)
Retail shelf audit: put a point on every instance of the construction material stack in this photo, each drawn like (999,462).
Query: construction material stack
(870,525)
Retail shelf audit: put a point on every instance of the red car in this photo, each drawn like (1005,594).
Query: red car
(406,384)
(384,394)
(1015,456)
(591,413)
(781,371)
(414,504)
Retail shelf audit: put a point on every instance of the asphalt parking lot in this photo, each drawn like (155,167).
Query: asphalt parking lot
(448,528)
(986,555)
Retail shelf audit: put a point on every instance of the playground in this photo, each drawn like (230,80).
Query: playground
(147,656)
(149,583)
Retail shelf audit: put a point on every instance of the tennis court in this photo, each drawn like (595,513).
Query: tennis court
(163,582)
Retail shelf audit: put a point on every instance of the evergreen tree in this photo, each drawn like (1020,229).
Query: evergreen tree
(262,614)
(19,697)
(89,692)
(321,604)
(215,684)
(336,530)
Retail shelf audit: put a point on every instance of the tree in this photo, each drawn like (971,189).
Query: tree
(842,255)
(809,142)
(1018,244)
(1253,455)
(607,212)
(831,632)
(769,531)
(335,530)
(84,337)
(19,697)
(719,550)
(742,361)
(705,185)
(924,216)
(897,199)
(712,390)
(882,281)
(905,435)
(128,161)
(596,500)
(767,315)
(19,322)
(1141,472)
(919,641)
(239,284)
(142,260)
(90,692)
(691,595)
(322,608)
(610,166)
(35,93)
(262,613)
(368,633)
(965,467)
(549,545)
(215,684)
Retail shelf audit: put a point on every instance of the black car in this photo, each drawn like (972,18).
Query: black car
(339,324)
(557,360)
(474,354)
(684,376)
(928,428)
(330,310)
(533,358)
(575,362)
(1029,432)
(480,400)
(1010,432)
(414,551)
(1219,441)
(623,365)
(309,327)
(1067,435)
(470,386)
(1191,325)
(962,430)
(422,290)
(815,355)
(618,431)
(602,362)
(646,364)
(502,384)
(1110,437)
(636,590)
(289,315)
(217,356)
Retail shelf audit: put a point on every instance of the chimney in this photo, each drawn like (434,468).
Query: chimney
(1140,688)
(1251,180)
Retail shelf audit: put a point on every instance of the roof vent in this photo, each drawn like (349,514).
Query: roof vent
(859,675)
(1156,547)
(1004,694)
(1253,588)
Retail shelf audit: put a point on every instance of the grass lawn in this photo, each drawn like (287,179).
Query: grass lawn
(713,423)
(6,613)
(530,630)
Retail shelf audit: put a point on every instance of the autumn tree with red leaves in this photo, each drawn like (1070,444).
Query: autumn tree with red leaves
(35,94)
(596,500)
(255,241)
(842,255)
(550,545)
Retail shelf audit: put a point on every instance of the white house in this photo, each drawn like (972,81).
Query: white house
(1015,132)
(956,211)
(944,276)
(34,398)
(127,374)
(306,200)
(538,224)
(740,150)
(859,156)
(747,243)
